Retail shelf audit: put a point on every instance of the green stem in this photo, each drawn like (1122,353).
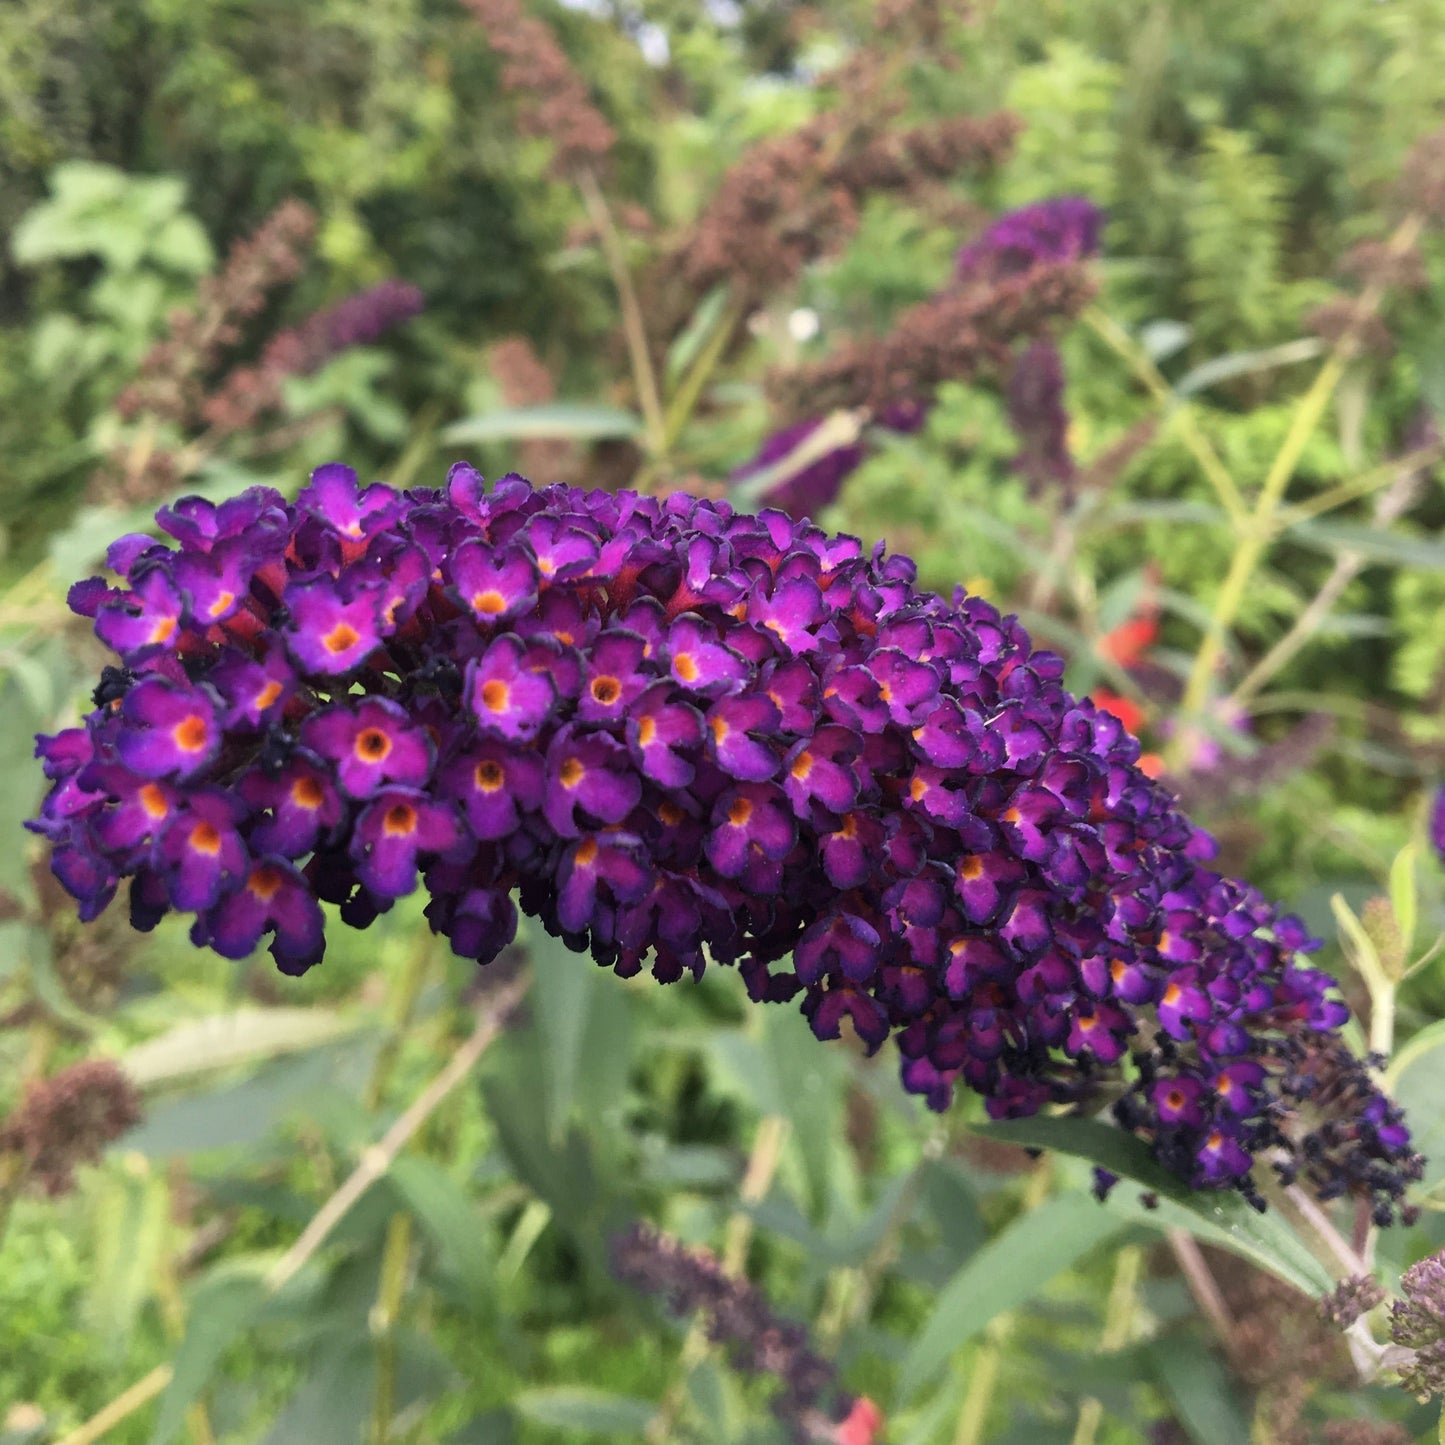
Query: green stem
(1258,530)
(390,1294)
(643,375)
(1177,410)
(1118,1321)
(973,1416)
(408,990)
(685,398)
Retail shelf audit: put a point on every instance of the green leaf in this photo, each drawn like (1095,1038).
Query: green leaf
(579,1409)
(1204,1397)
(1245,363)
(1405,896)
(333,1405)
(222,1309)
(1373,545)
(220,1041)
(577,421)
(1215,1216)
(1006,1273)
(1416,1077)
(449,1218)
(242,1113)
(563,984)
(131,1205)
(684,351)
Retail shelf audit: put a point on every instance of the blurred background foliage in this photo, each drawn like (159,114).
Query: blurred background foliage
(1240,150)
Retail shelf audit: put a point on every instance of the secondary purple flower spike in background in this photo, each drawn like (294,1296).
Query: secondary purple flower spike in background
(673,733)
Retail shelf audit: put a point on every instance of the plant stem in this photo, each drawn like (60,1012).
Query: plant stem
(1348,565)
(374,1163)
(643,374)
(1258,530)
(757,1180)
(1206,1293)
(390,1294)
(1177,410)
(403,1007)
(973,1415)
(685,398)
(1118,1320)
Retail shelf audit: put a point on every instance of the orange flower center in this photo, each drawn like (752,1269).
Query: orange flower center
(1175,1098)
(489,603)
(970,869)
(496,695)
(266,696)
(572,773)
(206,839)
(341,637)
(399,821)
(606,690)
(191,733)
(740,812)
(685,665)
(646,731)
(265,883)
(802,766)
(163,630)
(153,801)
(489,776)
(222,602)
(1172,994)
(372,745)
(586,853)
(307,793)
(670,814)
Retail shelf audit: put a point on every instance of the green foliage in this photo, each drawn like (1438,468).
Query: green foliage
(1240,149)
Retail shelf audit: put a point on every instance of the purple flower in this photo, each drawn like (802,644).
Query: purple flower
(370,745)
(818,484)
(1437,823)
(274,899)
(173,732)
(392,831)
(672,731)
(1050,232)
(507,698)
(1039,418)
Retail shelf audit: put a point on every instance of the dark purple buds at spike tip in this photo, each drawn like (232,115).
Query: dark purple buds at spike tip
(670,732)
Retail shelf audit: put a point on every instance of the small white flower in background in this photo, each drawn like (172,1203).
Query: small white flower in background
(803,324)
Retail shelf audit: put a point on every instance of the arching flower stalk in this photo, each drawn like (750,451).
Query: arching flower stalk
(671,732)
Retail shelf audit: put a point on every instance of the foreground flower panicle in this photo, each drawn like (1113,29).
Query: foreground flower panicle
(663,727)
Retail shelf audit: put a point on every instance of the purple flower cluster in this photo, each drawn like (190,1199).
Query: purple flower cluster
(1437,823)
(1417,1324)
(353,321)
(807,492)
(1036,410)
(1064,228)
(665,727)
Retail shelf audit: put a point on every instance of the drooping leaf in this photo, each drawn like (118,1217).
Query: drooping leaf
(690,341)
(1204,1397)
(1005,1274)
(575,421)
(224,1306)
(563,986)
(1416,1077)
(449,1218)
(580,1409)
(1218,1217)
(220,1041)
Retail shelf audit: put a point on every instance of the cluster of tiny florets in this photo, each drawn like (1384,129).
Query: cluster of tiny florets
(1417,1323)
(671,731)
